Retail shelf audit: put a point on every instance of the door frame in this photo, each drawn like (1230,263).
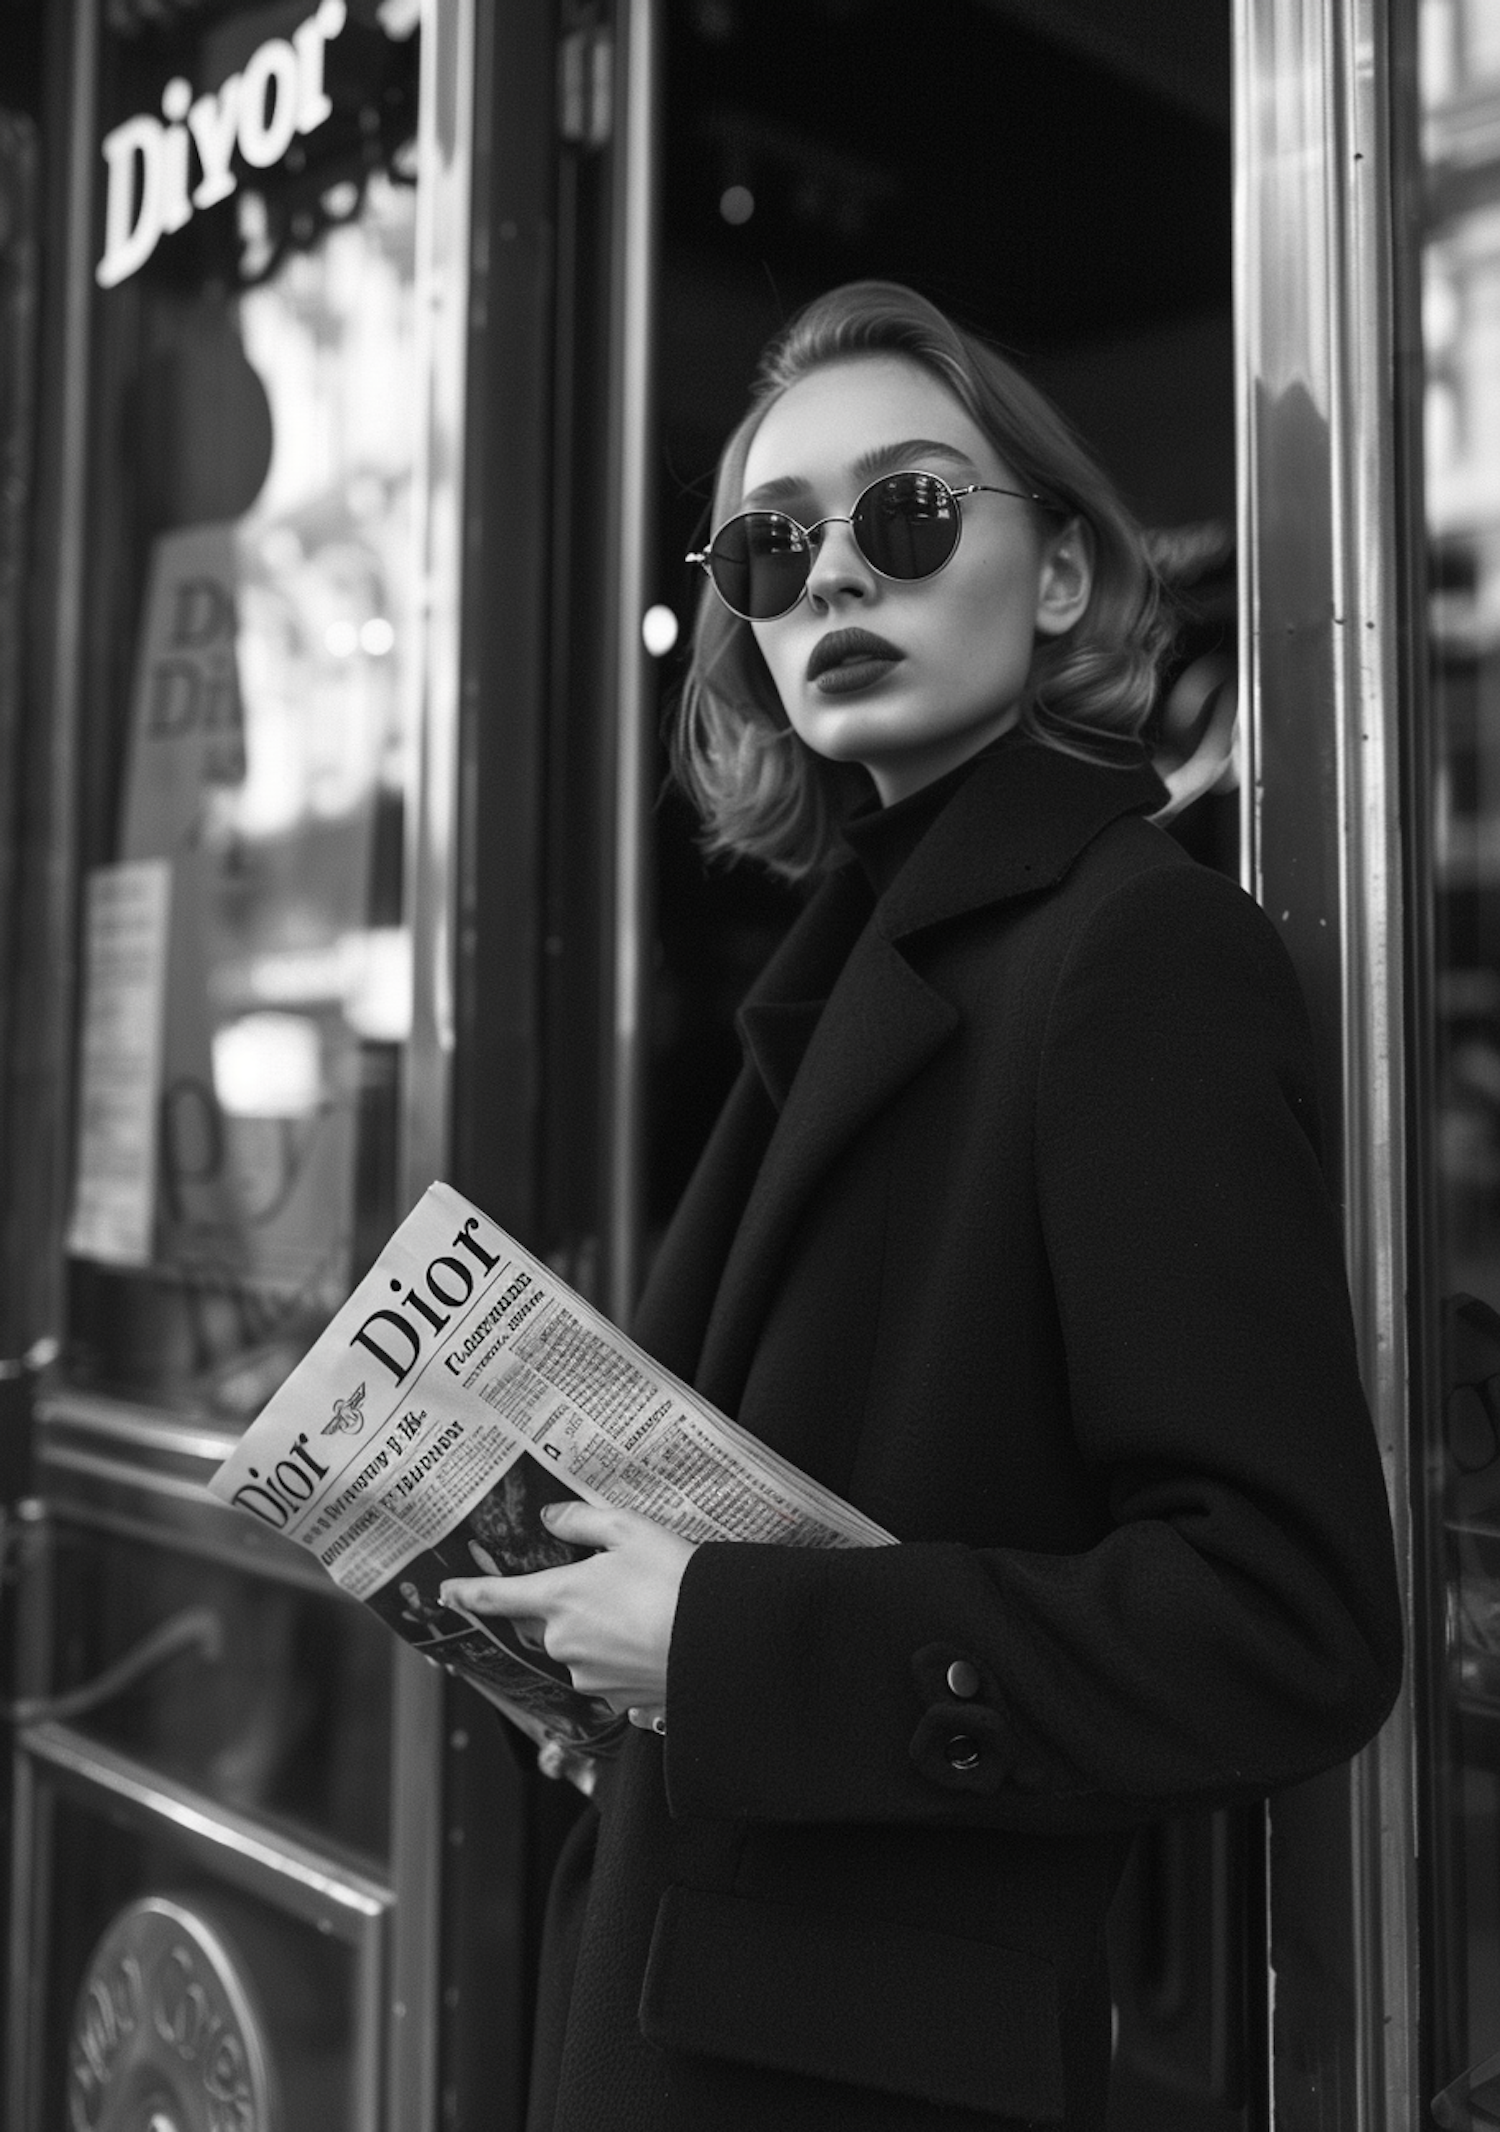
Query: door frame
(1326,463)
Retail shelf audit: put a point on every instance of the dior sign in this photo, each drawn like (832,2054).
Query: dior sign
(161,170)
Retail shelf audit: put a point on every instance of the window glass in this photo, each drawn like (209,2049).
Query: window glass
(265,1698)
(174,1999)
(249,659)
(1460,53)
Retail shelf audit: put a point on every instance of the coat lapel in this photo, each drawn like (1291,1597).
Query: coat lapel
(776,1021)
(1012,829)
(786,1002)
(881,1024)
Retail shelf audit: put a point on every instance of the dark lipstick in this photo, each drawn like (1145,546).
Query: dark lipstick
(848,659)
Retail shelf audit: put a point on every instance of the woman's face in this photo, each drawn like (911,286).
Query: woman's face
(948,656)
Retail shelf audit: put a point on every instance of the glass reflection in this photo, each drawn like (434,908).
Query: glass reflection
(299,1987)
(247,966)
(1460,51)
(280,1708)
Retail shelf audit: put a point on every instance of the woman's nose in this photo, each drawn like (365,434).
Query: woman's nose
(838,566)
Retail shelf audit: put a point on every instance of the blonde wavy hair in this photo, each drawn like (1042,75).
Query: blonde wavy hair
(761,792)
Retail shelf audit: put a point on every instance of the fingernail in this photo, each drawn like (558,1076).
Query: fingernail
(547,1510)
(443,1590)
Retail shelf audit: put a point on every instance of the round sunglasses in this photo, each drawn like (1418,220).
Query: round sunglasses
(907,526)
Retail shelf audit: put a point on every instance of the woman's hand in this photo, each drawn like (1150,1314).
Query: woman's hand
(608,1619)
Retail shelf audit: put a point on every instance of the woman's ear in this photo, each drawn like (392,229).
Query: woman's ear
(1067,578)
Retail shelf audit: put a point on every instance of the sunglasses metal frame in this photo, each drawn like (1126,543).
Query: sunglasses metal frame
(704,557)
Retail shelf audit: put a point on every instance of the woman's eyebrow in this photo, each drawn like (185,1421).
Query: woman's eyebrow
(883,459)
(911,451)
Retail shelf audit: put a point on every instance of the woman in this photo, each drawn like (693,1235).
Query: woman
(1013,1232)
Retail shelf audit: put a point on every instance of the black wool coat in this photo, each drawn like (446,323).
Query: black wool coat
(1020,1243)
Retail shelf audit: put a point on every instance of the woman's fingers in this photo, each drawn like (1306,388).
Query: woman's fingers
(523,1598)
(535,1593)
(608,1617)
(585,1525)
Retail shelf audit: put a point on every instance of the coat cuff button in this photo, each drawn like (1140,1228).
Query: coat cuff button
(963,1680)
(962,1751)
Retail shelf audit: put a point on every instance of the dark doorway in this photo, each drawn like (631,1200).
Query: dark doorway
(1056,173)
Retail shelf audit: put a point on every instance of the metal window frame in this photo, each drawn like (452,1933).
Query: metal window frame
(630,680)
(446,145)
(1321,597)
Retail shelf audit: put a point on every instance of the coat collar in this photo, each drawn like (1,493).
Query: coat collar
(1013,828)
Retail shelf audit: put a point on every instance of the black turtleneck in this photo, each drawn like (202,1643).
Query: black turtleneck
(884,838)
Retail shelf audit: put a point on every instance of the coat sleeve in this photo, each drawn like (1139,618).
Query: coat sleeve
(1237,1627)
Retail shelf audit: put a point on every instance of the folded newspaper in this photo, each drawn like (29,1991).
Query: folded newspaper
(461,1387)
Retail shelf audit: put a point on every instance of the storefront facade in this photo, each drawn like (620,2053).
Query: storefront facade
(365,363)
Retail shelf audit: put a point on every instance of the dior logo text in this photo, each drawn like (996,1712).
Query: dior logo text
(395,1337)
(278,94)
(275,1497)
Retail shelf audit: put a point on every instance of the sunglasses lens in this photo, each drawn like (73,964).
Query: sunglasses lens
(759,564)
(907,525)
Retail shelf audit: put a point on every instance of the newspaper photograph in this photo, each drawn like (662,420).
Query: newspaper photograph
(461,1387)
